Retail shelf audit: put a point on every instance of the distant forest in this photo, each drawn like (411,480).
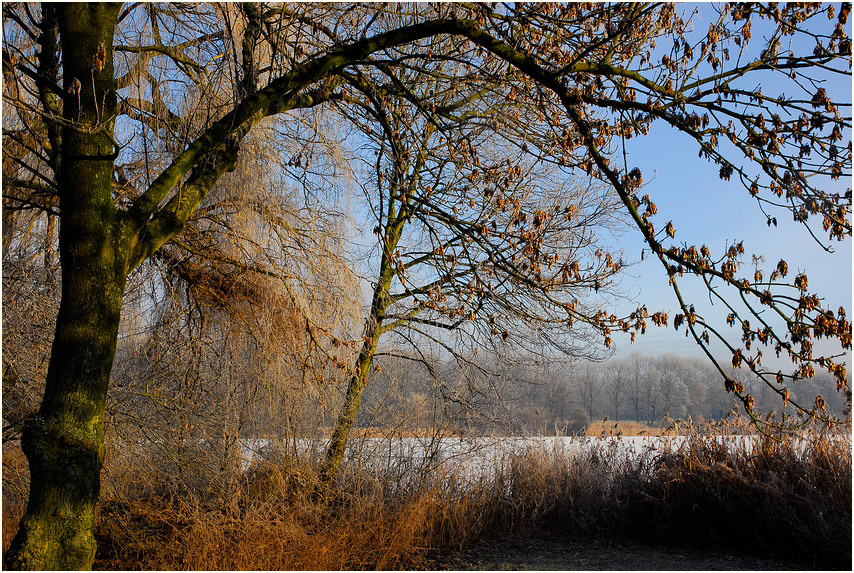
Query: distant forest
(561,398)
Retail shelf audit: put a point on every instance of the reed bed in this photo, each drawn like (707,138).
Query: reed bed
(787,499)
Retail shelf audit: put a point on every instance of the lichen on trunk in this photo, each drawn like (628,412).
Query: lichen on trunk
(64,441)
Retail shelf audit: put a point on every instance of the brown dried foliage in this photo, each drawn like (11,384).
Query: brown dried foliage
(789,500)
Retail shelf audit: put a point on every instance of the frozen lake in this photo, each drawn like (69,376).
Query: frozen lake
(475,455)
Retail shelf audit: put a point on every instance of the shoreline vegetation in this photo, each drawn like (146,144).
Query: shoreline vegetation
(628,428)
(787,499)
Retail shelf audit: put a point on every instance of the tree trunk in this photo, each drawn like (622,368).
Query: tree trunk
(347,416)
(64,441)
(359,379)
(373,331)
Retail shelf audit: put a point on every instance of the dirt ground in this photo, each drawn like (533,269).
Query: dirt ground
(556,555)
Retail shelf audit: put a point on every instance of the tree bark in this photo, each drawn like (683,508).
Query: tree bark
(355,388)
(359,379)
(64,441)
(396,218)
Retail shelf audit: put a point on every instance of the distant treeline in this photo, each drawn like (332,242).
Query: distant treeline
(564,398)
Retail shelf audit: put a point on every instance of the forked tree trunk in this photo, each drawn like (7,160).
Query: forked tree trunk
(64,442)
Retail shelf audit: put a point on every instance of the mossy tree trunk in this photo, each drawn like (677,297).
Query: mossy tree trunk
(397,216)
(404,183)
(64,441)
(355,389)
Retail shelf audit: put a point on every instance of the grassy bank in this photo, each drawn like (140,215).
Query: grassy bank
(789,500)
(597,429)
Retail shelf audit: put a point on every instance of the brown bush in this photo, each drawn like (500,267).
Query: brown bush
(16,488)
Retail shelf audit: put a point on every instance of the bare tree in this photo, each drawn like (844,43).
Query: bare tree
(615,386)
(588,384)
(672,391)
(475,250)
(637,366)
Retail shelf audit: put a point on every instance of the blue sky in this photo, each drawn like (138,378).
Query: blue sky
(707,210)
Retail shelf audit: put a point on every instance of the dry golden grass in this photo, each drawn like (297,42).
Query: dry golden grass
(788,499)
(598,429)
(15,490)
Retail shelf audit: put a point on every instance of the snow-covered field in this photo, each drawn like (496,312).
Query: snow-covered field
(472,456)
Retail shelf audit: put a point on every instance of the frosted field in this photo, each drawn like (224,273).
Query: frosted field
(474,456)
